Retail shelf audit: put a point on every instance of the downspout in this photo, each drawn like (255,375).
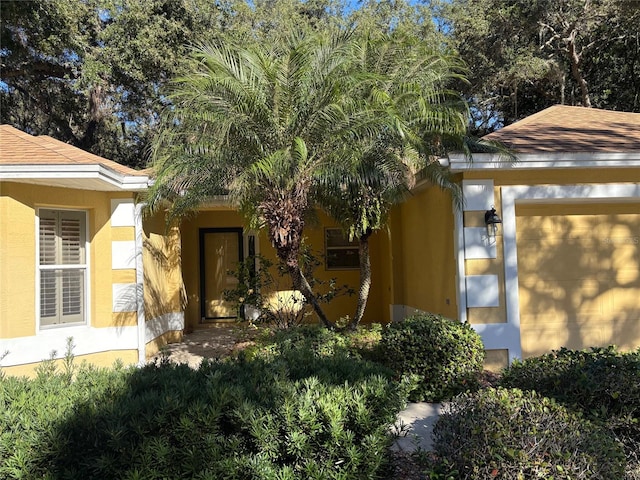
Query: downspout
(142,343)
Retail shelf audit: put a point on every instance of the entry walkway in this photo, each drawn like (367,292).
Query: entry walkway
(416,426)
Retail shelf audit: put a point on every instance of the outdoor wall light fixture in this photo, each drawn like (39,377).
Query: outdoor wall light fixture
(492,221)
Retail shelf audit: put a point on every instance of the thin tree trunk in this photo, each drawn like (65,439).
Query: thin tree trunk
(574,59)
(300,283)
(365,279)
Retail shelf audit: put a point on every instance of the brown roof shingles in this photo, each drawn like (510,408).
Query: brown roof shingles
(563,128)
(20,148)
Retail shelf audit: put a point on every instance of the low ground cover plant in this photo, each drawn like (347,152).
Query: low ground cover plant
(297,415)
(444,356)
(511,434)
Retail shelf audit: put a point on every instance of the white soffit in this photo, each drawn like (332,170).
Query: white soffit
(83,177)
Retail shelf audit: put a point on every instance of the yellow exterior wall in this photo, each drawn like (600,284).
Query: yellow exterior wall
(496,360)
(377,310)
(155,345)
(19,204)
(542,176)
(18,263)
(162,266)
(17,235)
(423,253)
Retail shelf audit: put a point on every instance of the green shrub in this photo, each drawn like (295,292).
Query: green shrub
(318,340)
(446,355)
(602,383)
(295,416)
(511,434)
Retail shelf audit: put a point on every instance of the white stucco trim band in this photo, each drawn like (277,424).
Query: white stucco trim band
(164,323)
(458,242)
(487,161)
(87,340)
(139,264)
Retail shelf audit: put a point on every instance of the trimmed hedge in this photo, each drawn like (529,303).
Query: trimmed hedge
(511,434)
(602,383)
(445,356)
(296,416)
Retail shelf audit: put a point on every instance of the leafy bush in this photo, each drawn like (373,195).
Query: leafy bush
(446,355)
(317,340)
(297,415)
(602,383)
(511,434)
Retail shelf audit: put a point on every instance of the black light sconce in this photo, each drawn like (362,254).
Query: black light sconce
(492,221)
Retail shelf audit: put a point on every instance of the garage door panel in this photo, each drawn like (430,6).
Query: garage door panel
(570,297)
(541,339)
(579,278)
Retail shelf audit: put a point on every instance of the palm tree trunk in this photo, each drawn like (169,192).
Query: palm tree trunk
(365,279)
(300,283)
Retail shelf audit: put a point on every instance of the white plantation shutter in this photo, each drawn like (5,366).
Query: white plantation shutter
(62,267)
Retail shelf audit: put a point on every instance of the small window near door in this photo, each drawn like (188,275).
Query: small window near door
(341,254)
(62,267)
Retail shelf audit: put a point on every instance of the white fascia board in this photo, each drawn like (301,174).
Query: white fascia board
(61,172)
(490,161)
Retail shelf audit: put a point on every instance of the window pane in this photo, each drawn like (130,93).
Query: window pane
(47,241)
(72,292)
(336,238)
(343,258)
(48,297)
(71,241)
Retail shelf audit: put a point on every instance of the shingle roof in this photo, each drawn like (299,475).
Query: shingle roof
(563,128)
(20,148)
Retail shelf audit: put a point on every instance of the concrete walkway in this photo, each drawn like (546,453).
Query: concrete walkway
(415,426)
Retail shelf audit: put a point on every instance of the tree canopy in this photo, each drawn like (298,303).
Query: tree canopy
(275,125)
(524,56)
(92,72)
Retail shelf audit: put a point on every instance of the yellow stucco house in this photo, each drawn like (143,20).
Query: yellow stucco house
(72,248)
(78,260)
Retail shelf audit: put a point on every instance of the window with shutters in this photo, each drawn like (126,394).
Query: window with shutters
(62,267)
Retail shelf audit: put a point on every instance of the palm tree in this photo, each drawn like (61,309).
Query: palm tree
(408,89)
(259,125)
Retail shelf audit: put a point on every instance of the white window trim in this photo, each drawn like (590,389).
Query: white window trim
(69,327)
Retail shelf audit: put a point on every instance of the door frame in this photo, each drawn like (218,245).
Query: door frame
(201,261)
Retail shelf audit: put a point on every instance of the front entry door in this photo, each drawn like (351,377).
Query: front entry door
(220,252)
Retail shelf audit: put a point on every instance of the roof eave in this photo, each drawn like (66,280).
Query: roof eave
(109,178)
(485,161)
